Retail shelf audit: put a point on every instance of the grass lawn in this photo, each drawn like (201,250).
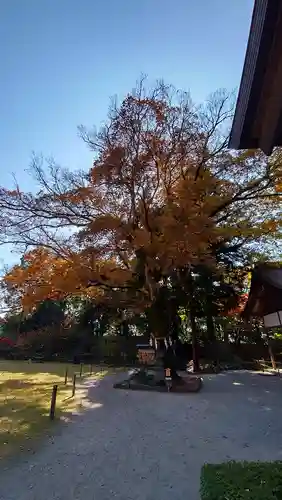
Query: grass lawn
(25,395)
(242,481)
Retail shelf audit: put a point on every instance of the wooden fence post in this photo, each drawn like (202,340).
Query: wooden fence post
(81,367)
(53,402)
(66,376)
(270,350)
(73,384)
(91,369)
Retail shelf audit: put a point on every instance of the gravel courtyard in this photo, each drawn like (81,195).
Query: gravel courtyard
(151,446)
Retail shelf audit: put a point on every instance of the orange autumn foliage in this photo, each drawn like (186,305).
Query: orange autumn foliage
(47,276)
(163,191)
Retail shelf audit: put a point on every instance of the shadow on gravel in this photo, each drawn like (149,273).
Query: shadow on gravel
(100,401)
(237,416)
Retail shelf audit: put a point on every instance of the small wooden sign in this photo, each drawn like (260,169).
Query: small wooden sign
(168,379)
(146,356)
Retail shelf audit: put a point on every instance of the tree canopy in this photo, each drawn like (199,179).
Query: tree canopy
(163,202)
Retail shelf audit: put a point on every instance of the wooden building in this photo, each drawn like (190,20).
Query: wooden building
(258,116)
(265,297)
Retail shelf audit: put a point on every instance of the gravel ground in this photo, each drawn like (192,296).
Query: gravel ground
(151,446)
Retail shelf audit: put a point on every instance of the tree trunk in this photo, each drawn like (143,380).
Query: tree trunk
(124,329)
(209,312)
(196,364)
(175,326)
(189,289)
(238,337)
(210,327)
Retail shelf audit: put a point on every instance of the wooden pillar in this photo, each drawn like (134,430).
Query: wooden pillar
(270,350)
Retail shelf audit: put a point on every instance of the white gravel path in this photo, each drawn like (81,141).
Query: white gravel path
(151,446)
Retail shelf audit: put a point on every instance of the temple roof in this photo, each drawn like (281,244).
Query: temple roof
(258,116)
(265,295)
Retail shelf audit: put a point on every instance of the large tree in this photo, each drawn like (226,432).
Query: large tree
(163,194)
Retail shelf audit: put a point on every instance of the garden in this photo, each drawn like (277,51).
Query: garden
(25,400)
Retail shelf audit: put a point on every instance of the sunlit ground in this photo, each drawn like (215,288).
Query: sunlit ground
(25,396)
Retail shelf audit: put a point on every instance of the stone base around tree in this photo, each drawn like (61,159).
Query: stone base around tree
(152,379)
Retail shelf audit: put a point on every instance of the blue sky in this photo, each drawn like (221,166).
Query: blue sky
(61,60)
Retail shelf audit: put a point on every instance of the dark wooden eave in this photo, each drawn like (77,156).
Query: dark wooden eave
(258,115)
(265,295)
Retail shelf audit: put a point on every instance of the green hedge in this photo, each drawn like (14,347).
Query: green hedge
(242,481)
